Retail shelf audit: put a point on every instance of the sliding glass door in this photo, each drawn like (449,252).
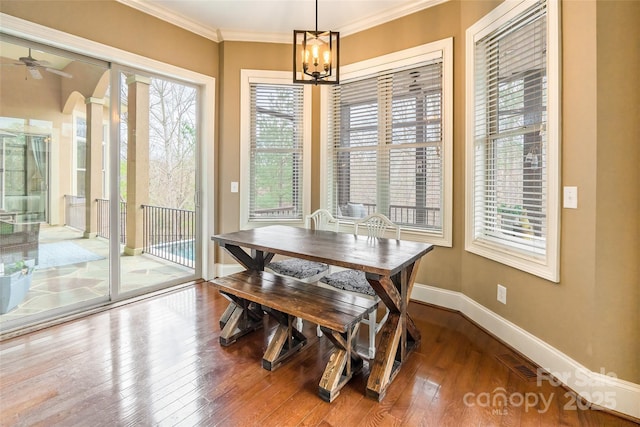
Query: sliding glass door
(52,119)
(98,182)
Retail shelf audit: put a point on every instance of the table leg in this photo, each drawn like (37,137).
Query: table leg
(386,365)
(256,261)
(399,335)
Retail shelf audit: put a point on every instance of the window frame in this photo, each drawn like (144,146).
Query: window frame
(546,265)
(248,77)
(388,63)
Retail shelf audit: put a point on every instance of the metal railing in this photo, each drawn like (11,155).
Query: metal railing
(409,215)
(103,228)
(274,212)
(169,234)
(413,216)
(75,212)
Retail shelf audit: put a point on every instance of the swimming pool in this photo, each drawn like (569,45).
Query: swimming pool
(181,251)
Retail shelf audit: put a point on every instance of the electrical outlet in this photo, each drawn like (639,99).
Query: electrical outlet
(502,294)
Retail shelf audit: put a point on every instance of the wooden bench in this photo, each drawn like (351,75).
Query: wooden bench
(253,293)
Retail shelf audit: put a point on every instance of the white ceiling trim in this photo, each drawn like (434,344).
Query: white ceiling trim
(387,16)
(173,18)
(255,36)
(219,35)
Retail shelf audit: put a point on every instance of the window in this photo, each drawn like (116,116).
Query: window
(512,137)
(388,141)
(275,136)
(80,155)
(23,169)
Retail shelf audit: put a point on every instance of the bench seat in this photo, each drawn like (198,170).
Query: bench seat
(253,293)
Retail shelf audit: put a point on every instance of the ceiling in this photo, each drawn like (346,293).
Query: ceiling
(275,20)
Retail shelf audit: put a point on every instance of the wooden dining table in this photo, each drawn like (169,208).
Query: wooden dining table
(390,266)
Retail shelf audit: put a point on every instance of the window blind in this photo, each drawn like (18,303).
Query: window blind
(510,145)
(385,146)
(276,148)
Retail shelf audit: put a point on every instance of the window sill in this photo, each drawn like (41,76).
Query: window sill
(529,263)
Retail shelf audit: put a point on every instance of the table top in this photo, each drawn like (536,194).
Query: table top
(374,255)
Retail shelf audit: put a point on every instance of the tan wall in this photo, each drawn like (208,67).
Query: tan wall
(114,24)
(560,314)
(616,326)
(592,314)
(236,56)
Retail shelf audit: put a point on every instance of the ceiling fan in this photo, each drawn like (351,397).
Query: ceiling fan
(34,66)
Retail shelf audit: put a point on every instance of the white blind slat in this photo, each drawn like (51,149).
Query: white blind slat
(276,149)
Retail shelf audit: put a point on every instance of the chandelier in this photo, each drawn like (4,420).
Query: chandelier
(316,55)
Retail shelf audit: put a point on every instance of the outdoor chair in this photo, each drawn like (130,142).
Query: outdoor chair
(356,282)
(19,241)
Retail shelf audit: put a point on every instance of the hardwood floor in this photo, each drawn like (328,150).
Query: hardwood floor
(158,362)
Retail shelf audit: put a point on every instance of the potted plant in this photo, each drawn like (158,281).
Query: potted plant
(15,281)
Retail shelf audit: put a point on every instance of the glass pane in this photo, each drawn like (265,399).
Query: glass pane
(273,181)
(157,191)
(51,257)
(276,151)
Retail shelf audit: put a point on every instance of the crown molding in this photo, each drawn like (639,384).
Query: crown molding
(219,35)
(171,17)
(255,36)
(387,16)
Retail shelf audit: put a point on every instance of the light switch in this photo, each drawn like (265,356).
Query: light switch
(571,197)
(234,187)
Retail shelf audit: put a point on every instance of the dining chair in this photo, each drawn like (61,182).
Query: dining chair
(302,269)
(356,282)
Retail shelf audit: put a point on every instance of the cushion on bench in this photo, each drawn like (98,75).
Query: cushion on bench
(349,280)
(299,268)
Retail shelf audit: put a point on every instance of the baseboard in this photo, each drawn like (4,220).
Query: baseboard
(600,389)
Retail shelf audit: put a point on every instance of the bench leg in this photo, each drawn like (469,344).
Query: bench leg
(343,363)
(227,314)
(239,319)
(286,340)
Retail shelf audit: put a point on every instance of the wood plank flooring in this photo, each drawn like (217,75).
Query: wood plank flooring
(158,362)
